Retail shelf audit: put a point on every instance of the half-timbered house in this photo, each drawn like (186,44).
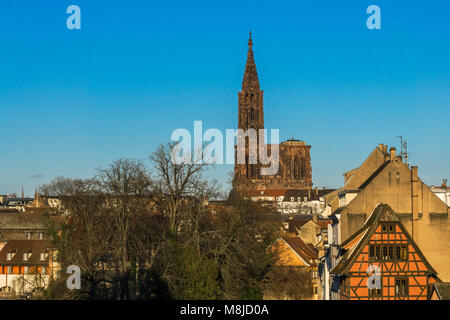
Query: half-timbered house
(381,261)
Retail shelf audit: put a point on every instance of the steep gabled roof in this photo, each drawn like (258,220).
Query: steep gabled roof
(355,243)
(304,251)
(373,175)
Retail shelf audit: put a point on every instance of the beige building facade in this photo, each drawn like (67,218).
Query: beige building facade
(385,178)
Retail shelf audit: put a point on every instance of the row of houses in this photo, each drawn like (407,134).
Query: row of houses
(384,235)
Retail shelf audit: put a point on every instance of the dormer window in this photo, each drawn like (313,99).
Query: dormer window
(299,199)
(27,255)
(43,255)
(10,255)
(292,199)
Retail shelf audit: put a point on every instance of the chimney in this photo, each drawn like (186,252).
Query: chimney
(383,148)
(393,153)
(415,202)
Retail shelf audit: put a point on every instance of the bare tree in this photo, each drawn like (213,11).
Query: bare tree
(175,181)
(288,283)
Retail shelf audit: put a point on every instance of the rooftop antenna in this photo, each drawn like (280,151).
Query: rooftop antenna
(405,147)
(401,146)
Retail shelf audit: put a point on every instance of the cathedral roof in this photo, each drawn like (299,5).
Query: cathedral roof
(250,82)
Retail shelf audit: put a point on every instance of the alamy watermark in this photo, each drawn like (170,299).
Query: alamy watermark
(74,280)
(249,140)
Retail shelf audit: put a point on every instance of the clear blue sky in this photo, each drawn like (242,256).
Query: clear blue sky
(71,101)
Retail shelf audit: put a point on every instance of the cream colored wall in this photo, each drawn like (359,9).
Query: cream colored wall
(285,256)
(309,231)
(433,224)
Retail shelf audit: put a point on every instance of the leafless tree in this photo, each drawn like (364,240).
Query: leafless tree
(174,182)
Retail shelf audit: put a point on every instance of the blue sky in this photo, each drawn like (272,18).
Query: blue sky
(72,101)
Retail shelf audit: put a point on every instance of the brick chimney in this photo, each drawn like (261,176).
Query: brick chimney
(415,202)
(393,153)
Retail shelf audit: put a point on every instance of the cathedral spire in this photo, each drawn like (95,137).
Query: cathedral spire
(250,82)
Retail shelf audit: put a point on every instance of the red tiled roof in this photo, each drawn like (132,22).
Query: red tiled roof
(323,224)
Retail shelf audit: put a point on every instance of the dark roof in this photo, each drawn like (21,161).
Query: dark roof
(442,289)
(297,224)
(8,210)
(382,213)
(374,174)
(19,199)
(305,251)
(19,247)
(299,193)
(314,194)
(323,192)
(25,221)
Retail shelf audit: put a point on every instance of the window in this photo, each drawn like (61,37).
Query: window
(391,252)
(44,255)
(389,179)
(292,199)
(28,235)
(43,270)
(8,256)
(401,287)
(397,252)
(9,269)
(387,228)
(385,252)
(27,255)
(41,236)
(398,177)
(26,270)
(371,251)
(378,252)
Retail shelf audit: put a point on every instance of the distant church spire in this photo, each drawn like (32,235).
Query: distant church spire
(250,82)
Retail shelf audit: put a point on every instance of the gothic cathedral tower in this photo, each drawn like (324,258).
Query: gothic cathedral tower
(295,164)
(251,114)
